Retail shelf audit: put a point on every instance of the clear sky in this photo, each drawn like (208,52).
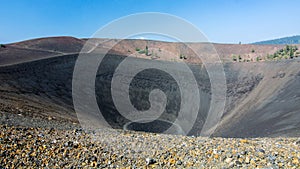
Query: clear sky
(222,21)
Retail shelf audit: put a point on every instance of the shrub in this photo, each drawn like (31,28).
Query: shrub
(270,56)
(240,58)
(141,51)
(146,51)
(182,56)
(285,53)
(296,48)
(234,58)
(291,54)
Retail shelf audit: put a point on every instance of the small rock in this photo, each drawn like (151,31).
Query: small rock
(238,163)
(247,160)
(179,162)
(41,135)
(231,165)
(150,161)
(228,160)
(295,161)
(280,164)
(68,144)
(244,141)
(271,158)
(252,162)
(243,152)
(261,150)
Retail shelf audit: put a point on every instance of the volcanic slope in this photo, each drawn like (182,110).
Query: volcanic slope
(262,97)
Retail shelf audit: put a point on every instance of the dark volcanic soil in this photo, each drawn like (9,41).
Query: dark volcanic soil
(262,98)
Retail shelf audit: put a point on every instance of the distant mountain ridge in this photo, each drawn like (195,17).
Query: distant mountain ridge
(281,41)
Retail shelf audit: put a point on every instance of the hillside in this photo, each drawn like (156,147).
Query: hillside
(40,48)
(262,97)
(156,50)
(281,41)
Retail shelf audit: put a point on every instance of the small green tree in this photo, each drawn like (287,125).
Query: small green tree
(146,51)
(182,56)
(296,48)
(234,58)
(142,52)
(240,58)
(291,54)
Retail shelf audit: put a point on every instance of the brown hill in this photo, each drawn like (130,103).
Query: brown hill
(62,44)
(38,49)
(171,51)
(157,50)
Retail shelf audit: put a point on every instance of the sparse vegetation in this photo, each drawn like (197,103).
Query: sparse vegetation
(288,52)
(257,59)
(141,51)
(182,56)
(237,58)
(234,58)
(240,58)
(2,46)
(146,51)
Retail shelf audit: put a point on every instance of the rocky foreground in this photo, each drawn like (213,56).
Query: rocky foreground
(24,147)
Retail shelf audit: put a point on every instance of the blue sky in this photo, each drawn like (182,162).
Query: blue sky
(222,21)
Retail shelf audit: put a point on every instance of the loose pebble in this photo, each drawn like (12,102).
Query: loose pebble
(24,147)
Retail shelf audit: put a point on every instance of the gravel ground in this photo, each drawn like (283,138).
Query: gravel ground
(25,147)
